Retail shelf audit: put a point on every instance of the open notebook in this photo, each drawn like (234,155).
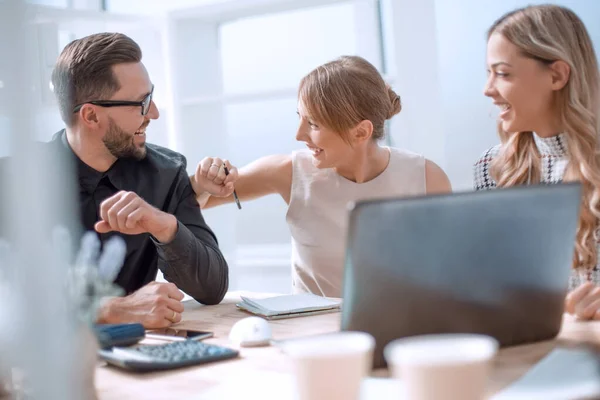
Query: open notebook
(288,306)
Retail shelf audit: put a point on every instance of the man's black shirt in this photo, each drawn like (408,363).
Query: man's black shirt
(192,261)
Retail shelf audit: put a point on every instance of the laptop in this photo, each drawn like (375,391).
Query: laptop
(493,262)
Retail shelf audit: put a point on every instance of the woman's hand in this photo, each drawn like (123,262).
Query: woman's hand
(211,178)
(584,302)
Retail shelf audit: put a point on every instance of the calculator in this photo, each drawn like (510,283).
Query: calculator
(146,358)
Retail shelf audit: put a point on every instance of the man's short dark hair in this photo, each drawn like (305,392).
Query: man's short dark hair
(84,72)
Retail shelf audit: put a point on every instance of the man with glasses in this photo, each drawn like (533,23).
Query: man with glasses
(130,188)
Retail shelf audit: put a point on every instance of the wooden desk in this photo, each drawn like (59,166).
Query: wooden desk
(186,383)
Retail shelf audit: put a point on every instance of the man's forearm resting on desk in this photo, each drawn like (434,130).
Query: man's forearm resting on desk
(193,261)
(191,265)
(156,305)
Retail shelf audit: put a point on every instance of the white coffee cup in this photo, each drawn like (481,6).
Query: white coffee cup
(447,366)
(332,366)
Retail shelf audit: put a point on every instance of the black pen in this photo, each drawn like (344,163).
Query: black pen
(237,201)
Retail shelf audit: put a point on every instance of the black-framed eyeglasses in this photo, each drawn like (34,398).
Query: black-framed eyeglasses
(145,103)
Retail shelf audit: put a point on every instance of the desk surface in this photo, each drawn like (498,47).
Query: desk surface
(113,383)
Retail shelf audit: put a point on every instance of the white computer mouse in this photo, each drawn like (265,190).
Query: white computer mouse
(251,331)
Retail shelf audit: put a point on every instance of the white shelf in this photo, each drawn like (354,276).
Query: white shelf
(251,96)
(42,13)
(235,9)
(241,97)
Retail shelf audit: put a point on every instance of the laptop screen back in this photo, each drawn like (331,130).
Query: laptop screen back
(494,262)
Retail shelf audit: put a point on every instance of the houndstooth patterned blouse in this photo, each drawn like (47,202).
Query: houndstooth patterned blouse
(554,154)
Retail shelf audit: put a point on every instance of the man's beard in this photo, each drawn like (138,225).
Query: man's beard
(121,144)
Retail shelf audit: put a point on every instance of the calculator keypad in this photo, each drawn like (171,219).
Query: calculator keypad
(182,351)
(167,356)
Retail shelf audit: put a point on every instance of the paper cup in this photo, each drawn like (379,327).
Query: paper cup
(449,367)
(331,367)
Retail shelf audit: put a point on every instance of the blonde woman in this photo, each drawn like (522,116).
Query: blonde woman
(342,107)
(543,75)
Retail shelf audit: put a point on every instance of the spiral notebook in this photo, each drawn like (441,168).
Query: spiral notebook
(289,306)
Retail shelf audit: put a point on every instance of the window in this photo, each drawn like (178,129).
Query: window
(275,51)
(387,33)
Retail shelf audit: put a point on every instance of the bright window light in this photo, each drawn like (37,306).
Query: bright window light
(277,50)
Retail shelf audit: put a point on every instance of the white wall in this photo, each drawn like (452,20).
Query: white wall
(414,69)
(444,71)
(4,136)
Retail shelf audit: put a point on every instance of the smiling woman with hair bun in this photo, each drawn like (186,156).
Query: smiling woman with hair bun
(342,109)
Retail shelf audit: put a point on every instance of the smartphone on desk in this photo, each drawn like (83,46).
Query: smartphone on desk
(173,334)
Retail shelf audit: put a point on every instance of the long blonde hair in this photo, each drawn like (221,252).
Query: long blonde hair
(549,33)
(346,91)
